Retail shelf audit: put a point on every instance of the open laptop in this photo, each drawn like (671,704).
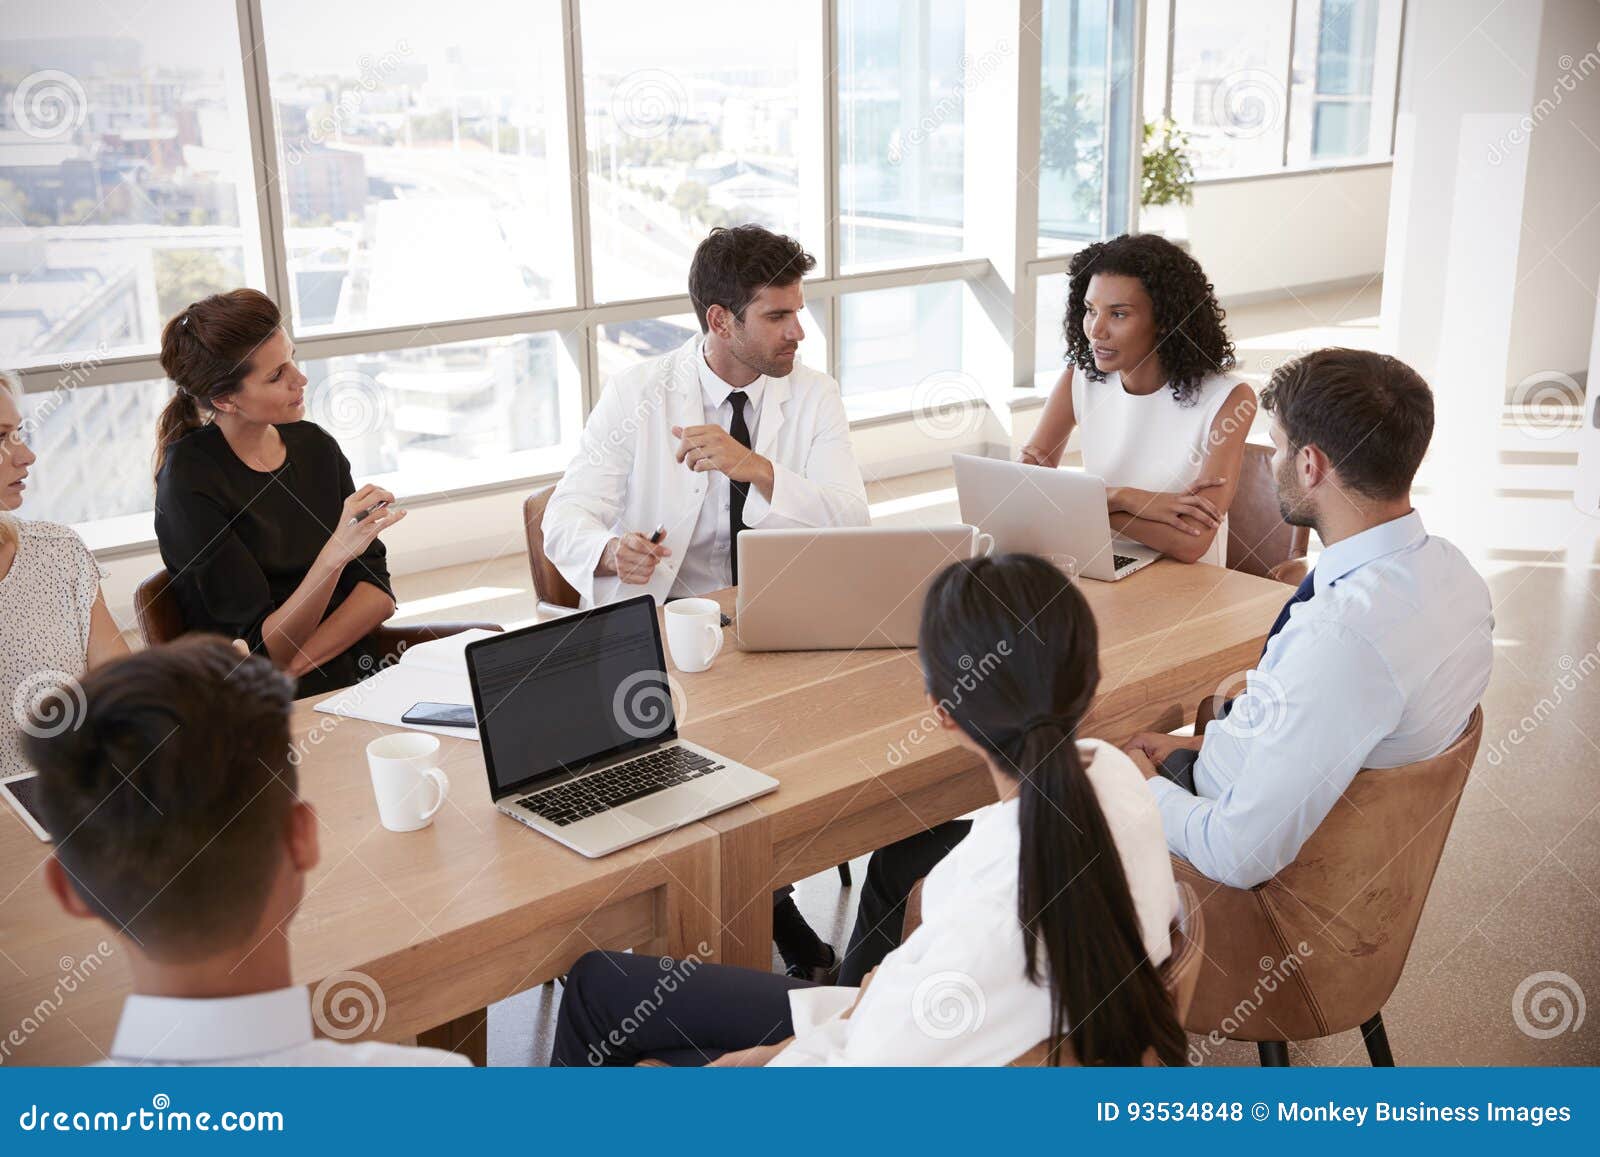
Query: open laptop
(841,588)
(1043,510)
(579,734)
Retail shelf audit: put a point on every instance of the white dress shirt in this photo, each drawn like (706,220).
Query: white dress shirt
(1381,667)
(264,1028)
(955,993)
(626,476)
(708,564)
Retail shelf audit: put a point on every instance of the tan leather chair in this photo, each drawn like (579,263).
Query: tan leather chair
(1258,537)
(548,584)
(1180,973)
(1336,925)
(161,621)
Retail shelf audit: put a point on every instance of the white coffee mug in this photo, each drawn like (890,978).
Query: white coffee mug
(694,633)
(982,544)
(403,766)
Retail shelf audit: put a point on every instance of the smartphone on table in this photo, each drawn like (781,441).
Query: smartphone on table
(441,714)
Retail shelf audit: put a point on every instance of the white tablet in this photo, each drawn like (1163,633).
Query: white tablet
(22,793)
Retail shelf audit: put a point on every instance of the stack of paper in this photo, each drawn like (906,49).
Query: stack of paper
(433,672)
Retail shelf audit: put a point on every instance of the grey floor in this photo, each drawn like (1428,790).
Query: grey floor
(1518,890)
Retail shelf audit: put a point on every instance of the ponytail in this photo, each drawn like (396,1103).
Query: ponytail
(1081,929)
(180,416)
(206,351)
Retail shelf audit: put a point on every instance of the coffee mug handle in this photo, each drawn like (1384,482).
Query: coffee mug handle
(716,643)
(443,784)
(983,545)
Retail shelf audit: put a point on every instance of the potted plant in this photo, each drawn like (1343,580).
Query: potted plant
(1166,180)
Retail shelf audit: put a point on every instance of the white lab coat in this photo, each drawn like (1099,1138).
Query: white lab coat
(626,475)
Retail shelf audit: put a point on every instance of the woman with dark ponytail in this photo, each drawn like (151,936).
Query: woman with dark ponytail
(260,525)
(1047,922)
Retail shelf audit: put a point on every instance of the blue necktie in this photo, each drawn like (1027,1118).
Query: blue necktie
(1304,591)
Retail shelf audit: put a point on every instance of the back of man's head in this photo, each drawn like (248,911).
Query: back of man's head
(167,789)
(1370,413)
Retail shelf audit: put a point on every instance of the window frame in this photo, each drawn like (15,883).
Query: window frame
(1001,268)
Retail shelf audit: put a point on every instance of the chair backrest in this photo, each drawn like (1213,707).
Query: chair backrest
(548,583)
(1258,537)
(1180,973)
(156,608)
(1319,948)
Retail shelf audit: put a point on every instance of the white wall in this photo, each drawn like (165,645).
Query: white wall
(1558,266)
(1256,237)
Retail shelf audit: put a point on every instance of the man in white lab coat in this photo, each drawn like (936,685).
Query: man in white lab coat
(683,452)
(726,432)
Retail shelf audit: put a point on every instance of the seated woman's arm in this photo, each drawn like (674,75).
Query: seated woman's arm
(366,608)
(1183,525)
(105,638)
(1050,436)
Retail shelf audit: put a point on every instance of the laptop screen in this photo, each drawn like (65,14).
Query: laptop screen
(554,697)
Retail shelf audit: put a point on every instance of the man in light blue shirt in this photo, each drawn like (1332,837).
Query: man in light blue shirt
(1376,661)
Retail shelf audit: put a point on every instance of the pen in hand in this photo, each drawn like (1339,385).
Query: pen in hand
(661,532)
(373,509)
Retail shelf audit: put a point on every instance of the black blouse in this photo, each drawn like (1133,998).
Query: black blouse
(238,541)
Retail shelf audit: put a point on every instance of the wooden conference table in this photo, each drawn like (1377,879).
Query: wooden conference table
(443,922)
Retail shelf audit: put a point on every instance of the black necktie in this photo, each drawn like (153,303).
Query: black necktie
(739,491)
(1304,591)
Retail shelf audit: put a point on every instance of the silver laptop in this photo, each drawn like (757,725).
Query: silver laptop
(579,734)
(841,588)
(1042,510)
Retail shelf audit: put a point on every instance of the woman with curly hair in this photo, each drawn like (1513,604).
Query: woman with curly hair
(1148,378)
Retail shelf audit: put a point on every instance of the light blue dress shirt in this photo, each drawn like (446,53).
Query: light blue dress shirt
(1381,667)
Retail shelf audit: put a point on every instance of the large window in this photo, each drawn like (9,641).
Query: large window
(472,215)
(1258,84)
(125,178)
(423,155)
(691,123)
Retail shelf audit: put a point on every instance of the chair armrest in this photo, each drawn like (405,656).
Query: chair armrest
(1292,571)
(392,640)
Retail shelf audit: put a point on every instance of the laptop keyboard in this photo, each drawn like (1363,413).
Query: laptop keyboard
(617,785)
(1118,561)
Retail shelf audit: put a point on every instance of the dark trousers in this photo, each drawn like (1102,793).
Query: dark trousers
(619,1008)
(891,873)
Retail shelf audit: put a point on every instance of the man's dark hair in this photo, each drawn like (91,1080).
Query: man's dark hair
(1371,414)
(167,793)
(732,265)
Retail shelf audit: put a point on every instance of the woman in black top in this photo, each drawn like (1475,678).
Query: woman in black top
(256,509)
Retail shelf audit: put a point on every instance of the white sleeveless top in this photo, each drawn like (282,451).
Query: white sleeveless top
(45,602)
(1149,442)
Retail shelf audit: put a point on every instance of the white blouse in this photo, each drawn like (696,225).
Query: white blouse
(45,603)
(1150,441)
(955,993)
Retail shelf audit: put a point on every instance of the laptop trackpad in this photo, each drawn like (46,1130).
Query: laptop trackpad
(687,801)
